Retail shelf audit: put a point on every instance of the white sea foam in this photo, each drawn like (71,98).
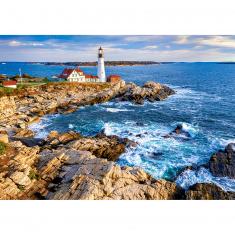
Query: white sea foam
(108,129)
(190,177)
(39,128)
(71,126)
(116,110)
(191,129)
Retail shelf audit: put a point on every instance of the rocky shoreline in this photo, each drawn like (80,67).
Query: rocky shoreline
(71,166)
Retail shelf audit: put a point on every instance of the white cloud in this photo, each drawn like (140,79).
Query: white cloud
(182,39)
(53,50)
(142,38)
(151,47)
(218,41)
(15,43)
(215,41)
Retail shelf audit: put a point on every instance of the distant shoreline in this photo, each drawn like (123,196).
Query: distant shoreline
(107,63)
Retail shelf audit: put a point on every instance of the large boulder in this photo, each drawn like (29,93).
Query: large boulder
(102,146)
(206,191)
(222,163)
(150,91)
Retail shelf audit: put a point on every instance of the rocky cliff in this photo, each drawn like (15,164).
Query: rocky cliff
(70,166)
(76,170)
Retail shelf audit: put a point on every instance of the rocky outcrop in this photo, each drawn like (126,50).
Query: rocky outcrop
(102,146)
(83,176)
(70,173)
(34,102)
(151,91)
(70,166)
(222,163)
(206,191)
(17,170)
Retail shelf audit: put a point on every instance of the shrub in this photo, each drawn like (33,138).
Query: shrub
(20,187)
(2,148)
(33,175)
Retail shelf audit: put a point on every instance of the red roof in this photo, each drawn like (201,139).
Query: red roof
(9,83)
(66,72)
(90,76)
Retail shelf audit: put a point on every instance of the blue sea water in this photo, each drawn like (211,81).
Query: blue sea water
(204,104)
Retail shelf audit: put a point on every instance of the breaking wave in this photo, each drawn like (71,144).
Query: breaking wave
(190,177)
(116,110)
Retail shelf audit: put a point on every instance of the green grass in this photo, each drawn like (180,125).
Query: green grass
(2,148)
(21,187)
(33,175)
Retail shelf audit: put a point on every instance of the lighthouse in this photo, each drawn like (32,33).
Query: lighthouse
(101,70)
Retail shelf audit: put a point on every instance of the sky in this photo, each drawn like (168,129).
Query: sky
(66,48)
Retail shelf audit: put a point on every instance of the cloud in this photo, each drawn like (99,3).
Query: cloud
(182,39)
(156,48)
(217,41)
(212,41)
(142,38)
(14,43)
(150,47)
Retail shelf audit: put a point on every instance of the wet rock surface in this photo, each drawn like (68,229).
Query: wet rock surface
(150,91)
(222,163)
(179,133)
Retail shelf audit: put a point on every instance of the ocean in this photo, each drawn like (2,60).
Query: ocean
(204,104)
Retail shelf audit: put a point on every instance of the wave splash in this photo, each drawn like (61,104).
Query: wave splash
(190,177)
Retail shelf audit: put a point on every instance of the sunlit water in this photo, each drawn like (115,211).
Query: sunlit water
(204,104)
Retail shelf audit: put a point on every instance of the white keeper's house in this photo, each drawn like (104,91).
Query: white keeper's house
(77,75)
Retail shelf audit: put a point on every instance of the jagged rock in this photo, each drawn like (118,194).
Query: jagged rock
(178,132)
(20,178)
(151,91)
(86,177)
(30,142)
(206,191)
(4,138)
(7,106)
(23,133)
(102,147)
(222,163)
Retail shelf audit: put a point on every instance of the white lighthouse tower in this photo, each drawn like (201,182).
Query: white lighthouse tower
(101,70)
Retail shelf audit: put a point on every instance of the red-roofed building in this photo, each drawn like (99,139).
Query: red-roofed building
(91,78)
(77,75)
(113,78)
(9,83)
(73,75)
